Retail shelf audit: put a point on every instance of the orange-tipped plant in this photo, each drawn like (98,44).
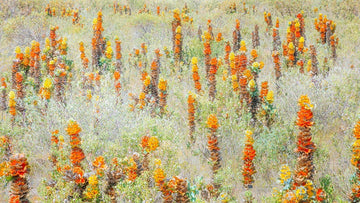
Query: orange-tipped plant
(207,52)
(162,96)
(213,146)
(191,116)
(212,78)
(355,160)
(254,100)
(255,37)
(268,20)
(305,147)
(227,53)
(174,24)
(276,36)
(3,87)
(117,83)
(181,190)
(12,105)
(277,65)
(98,42)
(314,61)
(113,176)
(196,76)
(84,59)
(236,36)
(178,45)
(118,56)
(19,169)
(248,169)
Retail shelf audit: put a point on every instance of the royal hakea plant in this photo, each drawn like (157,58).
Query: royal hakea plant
(84,59)
(174,24)
(276,36)
(191,116)
(227,54)
(268,20)
(155,70)
(314,62)
(77,155)
(277,64)
(236,37)
(18,172)
(255,37)
(213,146)
(12,105)
(292,194)
(114,175)
(35,64)
(148,145)
(325,27)
(355,161)
(254,100)
(3,99)
(98,42)
(163,95)
(167,188)
(196,76)
(178,45)
(210,30)
(118,55)
(305,146)
(212,78)
(207,52)
(248,169)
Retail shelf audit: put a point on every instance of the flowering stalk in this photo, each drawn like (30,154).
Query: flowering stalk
(19,168)
(249,155)
(98,42)
(191,116)
(118,56)
(236,36)
(12,105)
(155,80)
(76,17)
(113,176)
(35,63)
(92,190)
(163,94)
(277,65)
(314,61)
(59,83)
(196,76)
(76,156)
(178,45)
(84,59)
(355,160)
(174,24)
(117,83)
(3,87)
(181,190)
(333,44)
(305,147)
(212,78)
(227,53)
(212,124)
(276,36)
(267,17)
(207,52)
(254,94)
(255,37)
